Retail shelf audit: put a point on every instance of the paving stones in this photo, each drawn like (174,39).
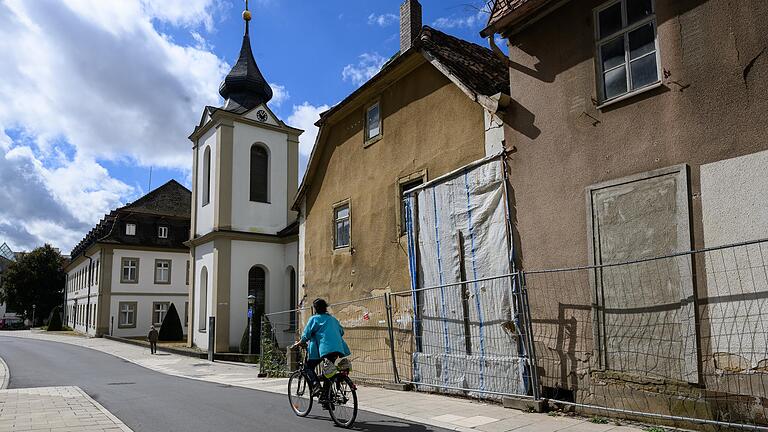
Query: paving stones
(59,409)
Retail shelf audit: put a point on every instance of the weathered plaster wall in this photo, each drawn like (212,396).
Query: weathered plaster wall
(428,124)
(712,105)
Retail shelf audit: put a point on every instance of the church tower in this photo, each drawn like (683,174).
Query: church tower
(244,236)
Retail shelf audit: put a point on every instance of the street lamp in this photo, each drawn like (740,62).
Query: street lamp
(251,301)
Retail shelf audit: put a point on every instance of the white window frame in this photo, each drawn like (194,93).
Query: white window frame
(162,232)
(159,268)
(129,309)
(123,265)
(130,229)
(336,220)
(371,139)
(160,311)
(625,30)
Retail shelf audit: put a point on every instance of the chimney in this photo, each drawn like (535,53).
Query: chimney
(410,23)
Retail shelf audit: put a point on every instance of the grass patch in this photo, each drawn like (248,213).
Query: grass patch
(599,420)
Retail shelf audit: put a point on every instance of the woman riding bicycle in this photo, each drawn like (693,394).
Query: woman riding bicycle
(323,336)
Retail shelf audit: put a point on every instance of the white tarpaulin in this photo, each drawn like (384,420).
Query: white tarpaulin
(467,333)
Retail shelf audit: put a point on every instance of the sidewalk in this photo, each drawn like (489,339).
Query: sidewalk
(60,409)
(446,412)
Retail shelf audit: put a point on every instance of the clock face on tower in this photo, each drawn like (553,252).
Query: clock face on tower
(261,115)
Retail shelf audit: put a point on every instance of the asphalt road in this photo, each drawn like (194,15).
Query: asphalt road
(149,401)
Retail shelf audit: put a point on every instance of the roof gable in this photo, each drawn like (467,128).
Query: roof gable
(476,70)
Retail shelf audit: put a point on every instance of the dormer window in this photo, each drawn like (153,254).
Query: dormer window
(162,232)
(130,229)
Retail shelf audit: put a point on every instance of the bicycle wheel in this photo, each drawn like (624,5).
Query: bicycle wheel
(300,394)
(342,401)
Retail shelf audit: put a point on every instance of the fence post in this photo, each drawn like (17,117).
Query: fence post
(528,325)
(211,337)
(388,306)
(262,373)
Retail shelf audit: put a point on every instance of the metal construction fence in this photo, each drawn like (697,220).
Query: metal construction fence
(681,339)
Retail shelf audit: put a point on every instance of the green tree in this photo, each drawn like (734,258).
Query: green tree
(35,278)
(170,329)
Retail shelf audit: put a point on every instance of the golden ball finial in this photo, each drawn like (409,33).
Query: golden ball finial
(247,15)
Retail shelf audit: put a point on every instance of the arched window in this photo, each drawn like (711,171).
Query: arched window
(207,175)
(257,287)
(203,298)
(259,173)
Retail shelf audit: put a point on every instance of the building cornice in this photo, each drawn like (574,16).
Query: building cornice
(242,236)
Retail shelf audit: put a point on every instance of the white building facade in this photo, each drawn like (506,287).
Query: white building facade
(129,270)
(244,235)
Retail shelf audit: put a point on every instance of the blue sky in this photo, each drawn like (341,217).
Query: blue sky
(102,90)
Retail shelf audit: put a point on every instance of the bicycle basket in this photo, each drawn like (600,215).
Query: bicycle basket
(329,369)
(345,365)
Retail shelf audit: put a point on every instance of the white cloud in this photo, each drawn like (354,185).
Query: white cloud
(279,94)
(477,19)
(382,20)
(368,65)
(304,117)
(89,80)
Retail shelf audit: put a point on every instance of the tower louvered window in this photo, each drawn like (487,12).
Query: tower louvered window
(259,174)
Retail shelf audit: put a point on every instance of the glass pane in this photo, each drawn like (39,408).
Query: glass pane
(342,233)
(342,212)
(638,9)
(644,71)
(641,41)
(373,121)
(615,82)
(612,53)
(609,20)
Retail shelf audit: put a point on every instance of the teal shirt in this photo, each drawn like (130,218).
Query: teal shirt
(323,335)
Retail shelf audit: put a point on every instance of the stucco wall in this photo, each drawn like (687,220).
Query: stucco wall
(428,124)
(711,107)
(144,312)
(251,216)
(275,259)
(203,259)
(204,213)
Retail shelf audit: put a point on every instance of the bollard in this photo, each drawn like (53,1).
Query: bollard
(211,337)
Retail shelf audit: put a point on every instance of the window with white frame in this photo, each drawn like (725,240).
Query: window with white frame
(130,270)
(341,226)
(127,315)
(162,232)
(372,122)
(130,229)
(162,271)
(627,49)
(159,309)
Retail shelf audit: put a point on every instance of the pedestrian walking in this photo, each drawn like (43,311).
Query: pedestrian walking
(152,338)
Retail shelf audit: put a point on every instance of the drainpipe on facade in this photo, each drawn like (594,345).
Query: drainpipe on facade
(90,281)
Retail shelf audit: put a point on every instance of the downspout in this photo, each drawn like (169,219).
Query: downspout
(90,282)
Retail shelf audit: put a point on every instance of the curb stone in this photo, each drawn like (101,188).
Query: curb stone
(5,374)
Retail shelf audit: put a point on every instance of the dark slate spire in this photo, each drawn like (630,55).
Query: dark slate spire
(244,88)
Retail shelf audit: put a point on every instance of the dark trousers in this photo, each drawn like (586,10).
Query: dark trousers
(153,347)
(310,365)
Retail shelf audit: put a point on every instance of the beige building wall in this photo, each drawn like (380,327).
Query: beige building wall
(429,126)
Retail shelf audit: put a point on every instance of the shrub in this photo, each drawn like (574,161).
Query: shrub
(54,321)
(171,329)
